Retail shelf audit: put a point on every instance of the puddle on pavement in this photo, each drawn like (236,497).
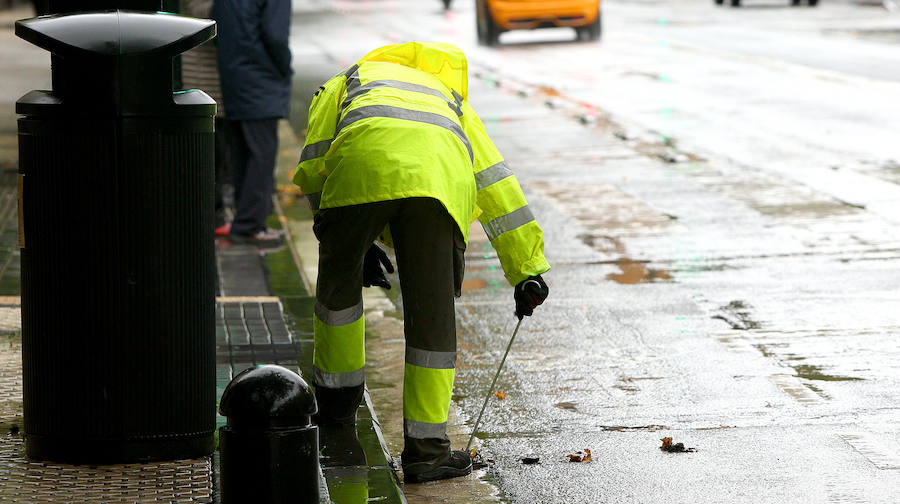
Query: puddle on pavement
(635,272)
(633,428)
(806,371)
(632,272)
(793,387)
(737,314)
(359,484)
(474,284)
(810,372)
(797,386)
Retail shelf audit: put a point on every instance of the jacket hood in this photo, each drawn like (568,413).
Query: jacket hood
(445,61)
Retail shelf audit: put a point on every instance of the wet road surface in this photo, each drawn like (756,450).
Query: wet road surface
(718,191)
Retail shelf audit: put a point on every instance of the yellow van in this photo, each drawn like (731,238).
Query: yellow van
(497,16)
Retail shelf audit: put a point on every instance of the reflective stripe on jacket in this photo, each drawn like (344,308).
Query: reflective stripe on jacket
(397,125)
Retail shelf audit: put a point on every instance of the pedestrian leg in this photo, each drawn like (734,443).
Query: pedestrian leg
(255,184)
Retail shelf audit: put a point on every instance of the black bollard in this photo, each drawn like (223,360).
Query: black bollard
(269,452)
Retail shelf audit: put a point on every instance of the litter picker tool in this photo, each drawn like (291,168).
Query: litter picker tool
(493,382)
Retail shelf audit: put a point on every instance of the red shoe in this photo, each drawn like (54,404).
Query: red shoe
(223,230)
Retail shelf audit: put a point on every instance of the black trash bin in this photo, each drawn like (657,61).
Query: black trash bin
(116,236)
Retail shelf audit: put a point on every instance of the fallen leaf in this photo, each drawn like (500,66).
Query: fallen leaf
(500,394)
(478,461)
(584,456)
(668,446)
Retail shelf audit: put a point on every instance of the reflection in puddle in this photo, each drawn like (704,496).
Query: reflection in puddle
(474,284)
(810,372)
(793,387)
(634,272)
(737,314)
(627,428)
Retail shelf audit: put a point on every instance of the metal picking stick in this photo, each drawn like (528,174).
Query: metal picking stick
(493,382)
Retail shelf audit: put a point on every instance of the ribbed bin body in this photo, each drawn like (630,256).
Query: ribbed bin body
(118,287)
(116,235)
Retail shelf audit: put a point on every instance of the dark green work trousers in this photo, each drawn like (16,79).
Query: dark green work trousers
(429,250)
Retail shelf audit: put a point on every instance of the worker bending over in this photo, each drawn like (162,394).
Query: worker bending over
(395,153)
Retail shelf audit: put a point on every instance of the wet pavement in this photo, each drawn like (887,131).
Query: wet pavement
(721,217)
(263,316)
(720,210)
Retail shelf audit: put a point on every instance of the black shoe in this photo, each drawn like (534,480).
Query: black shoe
(266,237)
(459,464)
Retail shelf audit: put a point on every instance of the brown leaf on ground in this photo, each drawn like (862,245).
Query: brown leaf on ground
(500,394)
(478,461)
(668,446)
(584,456)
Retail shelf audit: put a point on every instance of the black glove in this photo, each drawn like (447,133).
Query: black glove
(372,272)
(528,294)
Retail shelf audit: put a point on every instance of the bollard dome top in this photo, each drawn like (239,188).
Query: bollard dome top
(268,395)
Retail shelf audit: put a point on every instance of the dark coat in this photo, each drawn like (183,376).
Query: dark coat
(254,57)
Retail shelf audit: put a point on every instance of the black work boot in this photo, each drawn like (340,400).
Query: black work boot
(459,464)
(337,406)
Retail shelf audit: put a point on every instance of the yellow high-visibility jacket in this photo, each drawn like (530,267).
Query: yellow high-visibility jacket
(397,125)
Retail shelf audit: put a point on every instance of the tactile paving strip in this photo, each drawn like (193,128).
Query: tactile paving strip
(250,331)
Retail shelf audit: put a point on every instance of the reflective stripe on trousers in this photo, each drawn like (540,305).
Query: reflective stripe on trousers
(423,234)
(339,354)
(427,386)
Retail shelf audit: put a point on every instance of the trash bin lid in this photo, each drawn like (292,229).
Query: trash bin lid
(116,33)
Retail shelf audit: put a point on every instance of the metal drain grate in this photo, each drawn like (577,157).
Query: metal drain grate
(33,482)
(23,481)
(249,331)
